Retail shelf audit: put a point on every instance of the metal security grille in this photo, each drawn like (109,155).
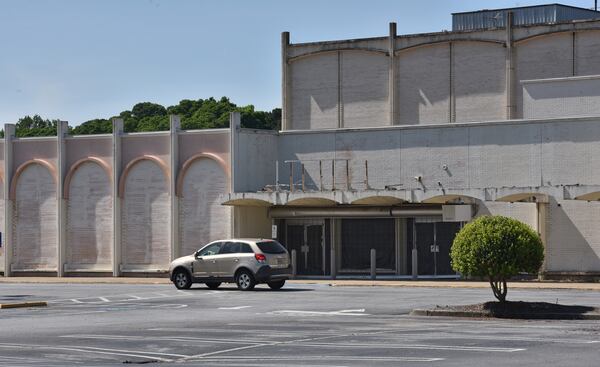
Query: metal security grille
(359,236)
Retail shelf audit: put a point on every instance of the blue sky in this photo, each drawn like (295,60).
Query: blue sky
(82,59)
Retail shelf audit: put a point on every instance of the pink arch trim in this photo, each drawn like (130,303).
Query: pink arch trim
(19,171)
(187,164)
(132,163)
(76,166)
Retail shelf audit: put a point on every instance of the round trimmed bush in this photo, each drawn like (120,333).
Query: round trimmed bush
(497,248)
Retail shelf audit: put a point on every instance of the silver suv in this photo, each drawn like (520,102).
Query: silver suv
(245,262)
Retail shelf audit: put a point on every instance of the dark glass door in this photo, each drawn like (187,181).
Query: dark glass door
(425,257)
(307,240)
(434,241)
(445,233)
(314,256)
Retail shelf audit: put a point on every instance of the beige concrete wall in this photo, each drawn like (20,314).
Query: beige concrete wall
(87,175)
(433,84)
(314,93)
(35,224)
(89,219)
(145,222)
(364,89)
(549,56)
(202,218)
(561,97)
(524,212)
(252,222)
(573,236)
(423,85)
(587,53)
(479,81)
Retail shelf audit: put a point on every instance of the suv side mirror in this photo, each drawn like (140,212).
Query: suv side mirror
(197,254)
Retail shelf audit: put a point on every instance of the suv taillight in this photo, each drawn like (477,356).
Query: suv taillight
(260,258)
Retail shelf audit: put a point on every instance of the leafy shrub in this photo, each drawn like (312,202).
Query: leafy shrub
(497,248)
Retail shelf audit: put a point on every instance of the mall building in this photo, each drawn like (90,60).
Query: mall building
(389,143)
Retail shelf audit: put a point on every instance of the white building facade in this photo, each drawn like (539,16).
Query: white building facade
(388,143)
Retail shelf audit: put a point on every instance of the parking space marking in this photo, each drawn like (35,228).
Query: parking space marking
(84,349)
(165,338)
(413,346)
(458,335)
(320,313)
(320,357)
(234,308)
(122,298)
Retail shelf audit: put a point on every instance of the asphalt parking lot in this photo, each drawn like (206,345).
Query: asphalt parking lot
(302,325)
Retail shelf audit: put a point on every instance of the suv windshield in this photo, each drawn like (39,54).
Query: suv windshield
(271,247)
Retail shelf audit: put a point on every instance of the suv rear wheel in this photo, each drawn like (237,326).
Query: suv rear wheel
(245,280)
(277,284)
(182,279)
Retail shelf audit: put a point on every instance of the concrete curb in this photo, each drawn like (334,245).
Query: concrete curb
(24,304)
(521,316)
(453,284)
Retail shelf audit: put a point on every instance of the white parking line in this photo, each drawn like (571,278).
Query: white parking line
(83,349)
(234,308)
(412,346)
(320,357)
(320,313)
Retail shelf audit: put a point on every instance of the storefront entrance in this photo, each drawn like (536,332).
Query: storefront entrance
(307,238)
(433,241)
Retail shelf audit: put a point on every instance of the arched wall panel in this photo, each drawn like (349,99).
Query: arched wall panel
(34,222)
(202,218)
(587,53)
(479,81)
(145,217)
(423,85)
(314,92)
(89,218)
(364,87)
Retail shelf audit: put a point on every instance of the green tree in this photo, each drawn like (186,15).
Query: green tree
(207,113)
(497,248)
(95,126)
(35,126)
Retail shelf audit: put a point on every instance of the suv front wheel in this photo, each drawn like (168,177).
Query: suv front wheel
(245,280)
(182,279)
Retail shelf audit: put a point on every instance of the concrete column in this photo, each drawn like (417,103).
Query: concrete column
(235,123)
(332,250)
(392,73)
(452,112)
(116,175)
(61,153)
(542,214)
(510,69)
(285,116)
(373,264)
(340,99)
(7,236)
(174,154)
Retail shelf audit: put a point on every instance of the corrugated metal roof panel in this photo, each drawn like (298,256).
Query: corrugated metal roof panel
(542,14)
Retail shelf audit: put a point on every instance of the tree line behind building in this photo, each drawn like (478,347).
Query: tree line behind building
(147,116)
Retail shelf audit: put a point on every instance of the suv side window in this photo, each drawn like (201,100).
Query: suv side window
(245,248)
(229,248)
(212,249)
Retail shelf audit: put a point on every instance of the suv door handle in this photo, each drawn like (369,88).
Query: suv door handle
(236,260)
